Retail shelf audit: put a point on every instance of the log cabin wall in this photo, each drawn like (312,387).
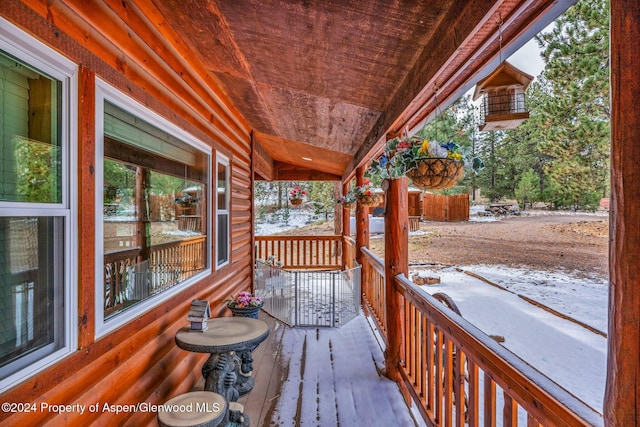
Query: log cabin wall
(139,362)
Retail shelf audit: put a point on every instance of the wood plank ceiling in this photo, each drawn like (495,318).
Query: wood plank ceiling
(327,80)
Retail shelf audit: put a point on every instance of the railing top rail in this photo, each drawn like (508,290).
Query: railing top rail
(303,237)
(136,249)
(536,393)
(349,239)
(374,260)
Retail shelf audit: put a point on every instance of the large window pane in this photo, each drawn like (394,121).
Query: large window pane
(38,306)
(154,210)
(31,291)
(30,153)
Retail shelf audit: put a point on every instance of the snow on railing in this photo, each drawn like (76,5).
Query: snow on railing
(454,373)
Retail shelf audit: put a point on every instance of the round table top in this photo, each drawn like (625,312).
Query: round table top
(224,334)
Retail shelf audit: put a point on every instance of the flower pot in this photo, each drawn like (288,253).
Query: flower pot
(370,200)
(251,312)
(295,202)
(348,205)
(436,174)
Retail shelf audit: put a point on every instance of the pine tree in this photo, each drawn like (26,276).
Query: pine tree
(575,117)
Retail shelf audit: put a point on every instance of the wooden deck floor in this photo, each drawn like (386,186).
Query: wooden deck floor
(323,377)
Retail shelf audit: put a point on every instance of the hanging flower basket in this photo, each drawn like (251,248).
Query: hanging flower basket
(430,165)
(297,195)
(348,205)
(436,173)
(370,200)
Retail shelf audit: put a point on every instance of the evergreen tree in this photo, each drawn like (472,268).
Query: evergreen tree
(575,117)
(527,189)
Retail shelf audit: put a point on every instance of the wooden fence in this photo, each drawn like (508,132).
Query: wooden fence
(310,252)
(436,207)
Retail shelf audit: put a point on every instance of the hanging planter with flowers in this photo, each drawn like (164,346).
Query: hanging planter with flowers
(366,197)
(348,201)
(429,165)
(297,195)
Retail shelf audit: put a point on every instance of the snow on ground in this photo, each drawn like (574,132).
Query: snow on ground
(569,354)
(276,222)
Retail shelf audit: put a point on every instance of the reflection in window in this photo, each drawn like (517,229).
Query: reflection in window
(154,210)
(30,170)
(32,248)
(30,295)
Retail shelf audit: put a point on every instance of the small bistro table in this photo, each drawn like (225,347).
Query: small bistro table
(230,341)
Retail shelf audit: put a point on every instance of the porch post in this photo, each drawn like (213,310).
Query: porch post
(622,395)
(362,219)
(396,261)
(346,229)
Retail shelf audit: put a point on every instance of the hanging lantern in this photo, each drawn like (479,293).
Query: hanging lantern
(503,103)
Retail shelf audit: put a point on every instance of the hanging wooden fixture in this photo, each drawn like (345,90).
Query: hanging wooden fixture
(503,104)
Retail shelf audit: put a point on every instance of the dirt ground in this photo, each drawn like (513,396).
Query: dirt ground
(571,242)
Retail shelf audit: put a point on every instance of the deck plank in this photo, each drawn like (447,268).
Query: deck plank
(323,377)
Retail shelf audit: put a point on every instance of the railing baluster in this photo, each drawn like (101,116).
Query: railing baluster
(532,422)
(510,411)
(439,376)
(489,401)
(458,387)
(473,395)
(431,371)
(424,376)
(448,382)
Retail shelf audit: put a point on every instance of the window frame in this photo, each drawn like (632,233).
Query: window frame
(224,160)
(36,54)
(108,93)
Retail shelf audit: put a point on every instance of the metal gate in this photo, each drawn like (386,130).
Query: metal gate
(309,298)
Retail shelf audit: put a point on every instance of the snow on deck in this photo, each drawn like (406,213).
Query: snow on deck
(324,377)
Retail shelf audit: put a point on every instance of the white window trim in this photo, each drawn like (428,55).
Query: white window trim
(220,159)
(38,55)
(106,92)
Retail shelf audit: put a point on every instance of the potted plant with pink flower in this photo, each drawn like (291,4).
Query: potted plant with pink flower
(245,304)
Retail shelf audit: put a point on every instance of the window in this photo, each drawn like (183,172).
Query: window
(222,211)
(37,299)
(154,209)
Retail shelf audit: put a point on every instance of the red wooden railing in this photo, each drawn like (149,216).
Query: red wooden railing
(373,295)
(309,252)
(457,375)
(349,252)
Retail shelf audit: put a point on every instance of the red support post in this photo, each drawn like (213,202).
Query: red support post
(622,395)
(346,228)
(362,219)
(396,261)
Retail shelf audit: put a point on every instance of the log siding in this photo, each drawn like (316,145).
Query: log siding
(139,362)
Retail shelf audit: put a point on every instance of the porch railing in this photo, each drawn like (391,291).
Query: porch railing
(309,252)
(457,375)
(373,295)
(168,264)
